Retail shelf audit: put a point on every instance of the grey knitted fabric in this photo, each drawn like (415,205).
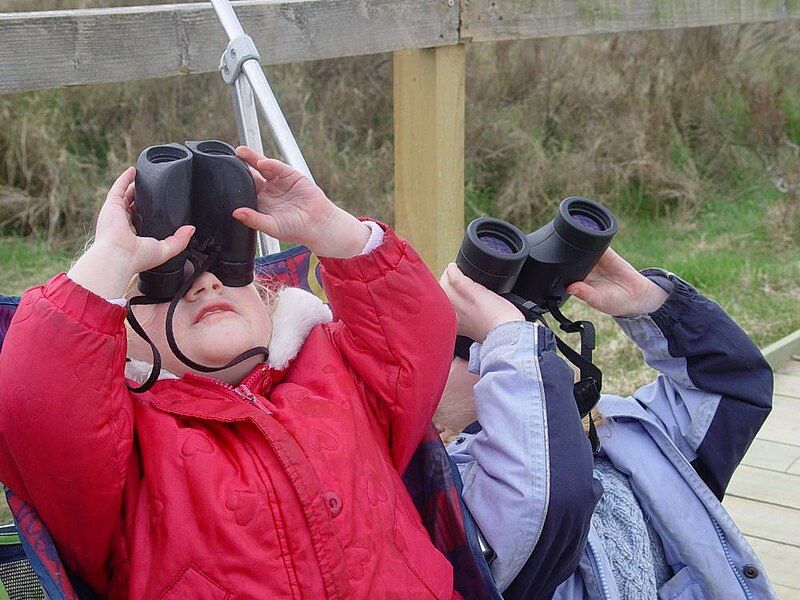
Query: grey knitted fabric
(631,543)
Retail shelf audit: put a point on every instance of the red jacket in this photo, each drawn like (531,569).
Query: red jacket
(287,486)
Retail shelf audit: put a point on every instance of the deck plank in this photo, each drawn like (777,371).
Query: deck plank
(766,486)
(787,385)
(791,368)
(775,456)
(780,560)
(784,592)
(776,523)
(783,423)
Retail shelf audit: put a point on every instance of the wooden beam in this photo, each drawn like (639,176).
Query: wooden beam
(493,20)
(51,49)
(429,151)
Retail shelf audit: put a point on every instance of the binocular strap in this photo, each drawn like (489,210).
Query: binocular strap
(173,344)
(587,389)
(154,373)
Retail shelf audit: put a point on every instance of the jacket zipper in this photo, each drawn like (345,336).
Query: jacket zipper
(600,572)
(723,541)
(242,391)
(720,534)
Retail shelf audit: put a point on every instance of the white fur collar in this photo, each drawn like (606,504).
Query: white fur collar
(296,313)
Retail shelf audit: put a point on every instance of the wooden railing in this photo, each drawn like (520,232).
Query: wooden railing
(52,49)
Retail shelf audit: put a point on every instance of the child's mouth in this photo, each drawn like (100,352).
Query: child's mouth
(214,311)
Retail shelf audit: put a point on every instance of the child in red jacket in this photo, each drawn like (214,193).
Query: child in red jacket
(276,479)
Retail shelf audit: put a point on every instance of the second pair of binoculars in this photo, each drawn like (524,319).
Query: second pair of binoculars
(537,267)
(197,183)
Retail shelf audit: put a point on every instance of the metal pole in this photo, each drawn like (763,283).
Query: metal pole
(250,136)
(264,96)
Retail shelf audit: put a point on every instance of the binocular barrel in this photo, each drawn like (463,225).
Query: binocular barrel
(221,184)
(538,266)
(201,184)
(163,194)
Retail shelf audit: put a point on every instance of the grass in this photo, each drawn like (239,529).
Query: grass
(729,251)
(25,262)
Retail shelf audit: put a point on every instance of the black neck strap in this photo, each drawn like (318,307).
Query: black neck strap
(587,389)
(199,269)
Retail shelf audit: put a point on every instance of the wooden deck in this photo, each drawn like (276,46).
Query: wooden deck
(764,495)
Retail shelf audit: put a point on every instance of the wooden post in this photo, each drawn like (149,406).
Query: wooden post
(429,151)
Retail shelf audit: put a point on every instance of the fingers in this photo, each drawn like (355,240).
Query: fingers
(269,170)
(257,178)
(272,168)
(463,285)
(248,155)
(258,221)
(116,195)
(130,194)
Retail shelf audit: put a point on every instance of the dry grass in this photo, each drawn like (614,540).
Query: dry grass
(654,124)
(646,122)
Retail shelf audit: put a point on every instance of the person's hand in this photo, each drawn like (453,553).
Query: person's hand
(478,309)
(116,235)
(117,253)
(292,208)
(617,289)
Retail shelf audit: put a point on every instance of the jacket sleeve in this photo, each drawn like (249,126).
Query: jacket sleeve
(396,331)
(65,424)
(527,472)
(715,387)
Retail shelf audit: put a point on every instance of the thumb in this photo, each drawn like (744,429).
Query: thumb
(176,243)
(585,292)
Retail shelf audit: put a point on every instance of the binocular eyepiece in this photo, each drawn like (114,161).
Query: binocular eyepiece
(200,184)
(540,265)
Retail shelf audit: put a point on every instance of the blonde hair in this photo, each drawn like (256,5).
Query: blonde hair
(595,416)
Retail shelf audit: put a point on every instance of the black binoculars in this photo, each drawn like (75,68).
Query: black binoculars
(200,184)
(539,266)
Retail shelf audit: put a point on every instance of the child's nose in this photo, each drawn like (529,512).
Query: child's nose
(206,283)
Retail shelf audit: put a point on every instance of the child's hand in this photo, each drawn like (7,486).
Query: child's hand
(478,309)
(117,253)
(115,232)
(617,289)
(294,209)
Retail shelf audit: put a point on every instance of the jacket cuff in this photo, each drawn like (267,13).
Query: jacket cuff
(509,336)
(370,266)
(375,238)
(679,301)
(83,306)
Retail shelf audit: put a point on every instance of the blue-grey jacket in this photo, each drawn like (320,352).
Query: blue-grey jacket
(527,469)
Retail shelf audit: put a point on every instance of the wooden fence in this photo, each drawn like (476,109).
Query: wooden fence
(40,50)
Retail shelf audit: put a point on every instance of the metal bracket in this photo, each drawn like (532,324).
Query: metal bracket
(239,50)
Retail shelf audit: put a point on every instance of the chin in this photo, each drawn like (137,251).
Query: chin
(222,342)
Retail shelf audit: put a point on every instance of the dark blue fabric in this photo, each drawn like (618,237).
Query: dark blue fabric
(720,359)
(433,485)
(471,530)
(8,304)
(573,490)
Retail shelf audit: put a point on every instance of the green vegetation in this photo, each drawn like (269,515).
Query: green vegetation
(27,262)
(731,252)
